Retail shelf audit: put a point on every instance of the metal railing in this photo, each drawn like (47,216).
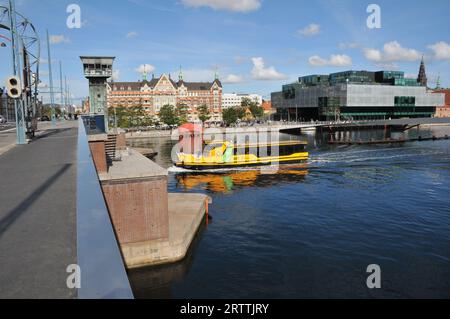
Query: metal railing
(103,273)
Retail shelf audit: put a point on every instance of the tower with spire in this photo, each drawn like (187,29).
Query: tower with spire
(180,75)
(422,78)
(438,82)
(144,74)
(216,74)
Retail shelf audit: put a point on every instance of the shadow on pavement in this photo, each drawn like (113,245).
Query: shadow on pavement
(14,214)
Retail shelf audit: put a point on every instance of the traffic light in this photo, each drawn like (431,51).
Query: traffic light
(14,87)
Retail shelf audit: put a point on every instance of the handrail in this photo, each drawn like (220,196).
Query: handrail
(103,273)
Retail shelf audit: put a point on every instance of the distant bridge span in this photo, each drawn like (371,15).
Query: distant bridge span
(405,124)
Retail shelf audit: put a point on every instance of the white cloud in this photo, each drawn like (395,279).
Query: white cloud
(260,72)
(336,60)
(145,68)
(55,39)
(132,34)
(392,52)
(116,75)
(441,50)
(373,55)
(233,79)
(310,30)
(228,5)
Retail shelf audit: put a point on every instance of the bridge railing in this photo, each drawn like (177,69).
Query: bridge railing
(103,273)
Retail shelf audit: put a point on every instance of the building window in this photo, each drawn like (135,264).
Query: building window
(404,101)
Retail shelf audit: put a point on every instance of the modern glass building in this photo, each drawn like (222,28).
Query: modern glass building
(355,95)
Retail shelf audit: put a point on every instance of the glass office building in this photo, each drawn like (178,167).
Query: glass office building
(355,95)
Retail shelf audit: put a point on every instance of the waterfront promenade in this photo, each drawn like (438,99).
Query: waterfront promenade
(38,213)
(7,139)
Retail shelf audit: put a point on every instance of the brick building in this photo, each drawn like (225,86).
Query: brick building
(152,95)
(267,107)
(443,110)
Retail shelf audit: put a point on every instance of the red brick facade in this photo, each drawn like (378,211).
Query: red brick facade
(138,209)
(444,110)
(154,94)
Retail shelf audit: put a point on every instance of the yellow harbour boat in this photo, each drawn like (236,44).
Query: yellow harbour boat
(228,155)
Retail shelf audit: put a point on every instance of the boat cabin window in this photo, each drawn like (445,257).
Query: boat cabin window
(291,149)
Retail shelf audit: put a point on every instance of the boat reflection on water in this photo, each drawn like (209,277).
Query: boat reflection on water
(225,182)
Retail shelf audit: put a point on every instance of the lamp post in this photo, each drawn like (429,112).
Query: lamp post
(16,68)
(50,75)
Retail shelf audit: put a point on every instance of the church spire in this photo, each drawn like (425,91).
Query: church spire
(216,74)
(422,78)
(438,82)
(180,75)
(144,74)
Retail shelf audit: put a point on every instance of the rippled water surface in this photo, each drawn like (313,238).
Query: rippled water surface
(311,230)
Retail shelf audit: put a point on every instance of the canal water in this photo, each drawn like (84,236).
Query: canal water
(310,231)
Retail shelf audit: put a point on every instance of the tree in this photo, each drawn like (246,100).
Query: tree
(182,113)
(240,112)
(122,116)
(47,110)
(148,120)
(127,117)
(168,115)
(246,102)
(230,116)
(136,115)
(256,110)
(203,113)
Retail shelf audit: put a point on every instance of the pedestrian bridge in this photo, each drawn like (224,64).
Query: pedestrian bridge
(411,122)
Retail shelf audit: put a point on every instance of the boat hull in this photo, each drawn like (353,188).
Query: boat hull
(210,166)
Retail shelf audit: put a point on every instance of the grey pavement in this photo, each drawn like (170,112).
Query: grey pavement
(38,214)
(7,139)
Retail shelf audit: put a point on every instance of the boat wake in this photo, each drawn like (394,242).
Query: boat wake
(366,156)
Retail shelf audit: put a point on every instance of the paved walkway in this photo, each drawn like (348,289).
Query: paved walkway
(7,140)
(38,214)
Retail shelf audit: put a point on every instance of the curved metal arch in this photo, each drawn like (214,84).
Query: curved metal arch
(31,45)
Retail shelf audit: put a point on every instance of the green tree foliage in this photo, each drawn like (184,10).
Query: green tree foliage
(182,113)
(128,117)
(230,116)
(240,111)
(121,114)
(136,115)
(256,110)
(168,115)
(203,113)
(47,110)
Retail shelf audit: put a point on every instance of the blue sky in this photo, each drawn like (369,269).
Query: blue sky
(256,45)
